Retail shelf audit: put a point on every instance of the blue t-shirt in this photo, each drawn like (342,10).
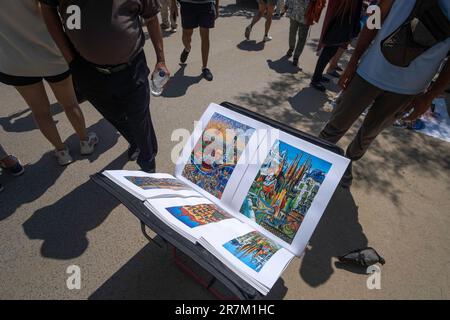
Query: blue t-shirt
(414,79)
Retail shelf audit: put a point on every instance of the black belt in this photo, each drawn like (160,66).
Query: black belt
(108,70)
(111,70)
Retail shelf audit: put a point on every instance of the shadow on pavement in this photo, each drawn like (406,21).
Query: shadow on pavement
(283,66)
(150,274)
(338,232)
(309,102)
(251,45)
(23,121)
(63,226)
(153,274)
(179,83)
(42,175)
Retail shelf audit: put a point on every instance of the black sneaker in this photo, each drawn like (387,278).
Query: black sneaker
(289,53)
(318,86)
(184,55)
(133,153)
(16,170)
(147,166)
(207,74)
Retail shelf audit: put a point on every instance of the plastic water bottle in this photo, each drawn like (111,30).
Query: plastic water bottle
(159,80)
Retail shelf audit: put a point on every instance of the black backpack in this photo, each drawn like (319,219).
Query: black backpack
(425,27)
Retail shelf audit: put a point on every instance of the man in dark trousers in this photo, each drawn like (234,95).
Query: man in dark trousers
(105,54)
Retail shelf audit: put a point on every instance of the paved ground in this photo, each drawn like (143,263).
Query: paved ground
(53,217)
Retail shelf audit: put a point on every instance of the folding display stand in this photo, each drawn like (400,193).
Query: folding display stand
(219,272)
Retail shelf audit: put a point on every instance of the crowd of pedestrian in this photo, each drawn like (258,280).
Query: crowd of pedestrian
(391,70)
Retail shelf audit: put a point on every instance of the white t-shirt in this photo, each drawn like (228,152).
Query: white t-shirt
(26,47)
(414,79)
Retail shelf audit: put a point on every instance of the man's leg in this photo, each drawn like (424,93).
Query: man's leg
(293,28)
(173,19)
(386,109)
(269,16)
(355,99)
(187,38)
(136,105)
(335,60)
(165,13)
(94,87)
(302,35)
(261,11)
(204,36)
(325,57)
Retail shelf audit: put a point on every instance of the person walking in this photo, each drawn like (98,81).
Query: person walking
(265,9)
(198,14)
(10,164)
(298,30)
(342,24)
(28,56)
(169,11)
(109,66)
(394,79)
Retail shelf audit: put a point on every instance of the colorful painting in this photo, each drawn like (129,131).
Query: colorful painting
(253,249)
(284,189)
(198,215)
(148,183)
(215,156)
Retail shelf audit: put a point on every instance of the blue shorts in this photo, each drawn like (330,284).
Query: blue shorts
(195,15)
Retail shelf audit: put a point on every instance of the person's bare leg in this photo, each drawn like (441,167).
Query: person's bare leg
(204,35)
(36,98)
(187,38)
(334,62)
(269,15)
(261,11)
(65,94)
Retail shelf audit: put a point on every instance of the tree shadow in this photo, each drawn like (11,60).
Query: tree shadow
(180,83)
(283,66)
(309,103)
(23,121)
(251,45)
(338,232)
(42,175)
(63,226)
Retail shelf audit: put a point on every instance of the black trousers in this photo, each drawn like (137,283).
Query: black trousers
(123,98)
(327,54)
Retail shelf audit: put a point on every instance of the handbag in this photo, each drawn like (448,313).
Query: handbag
(425,27)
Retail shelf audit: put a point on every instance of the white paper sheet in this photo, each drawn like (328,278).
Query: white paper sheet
(148,185)
(322,175)
(189,216)
(258,260)
(214,112)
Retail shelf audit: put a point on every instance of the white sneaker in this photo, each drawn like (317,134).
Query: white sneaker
(267,38)
(63,156)
(87,147)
